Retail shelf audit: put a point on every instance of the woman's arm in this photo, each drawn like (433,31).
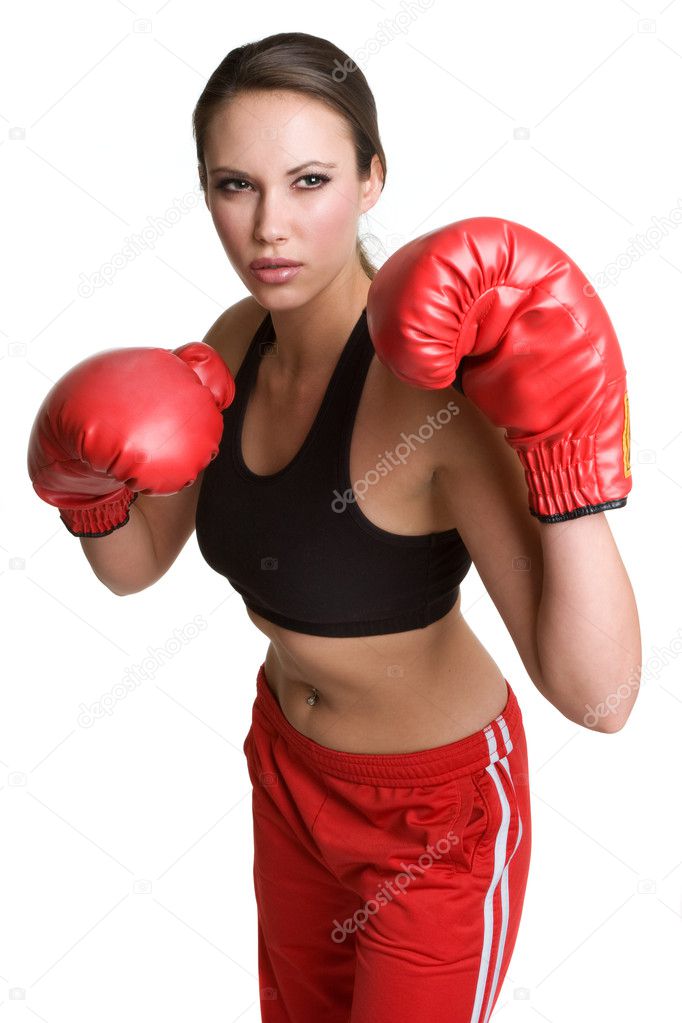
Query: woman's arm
(589,640)
(124,561)
(139,553)
(561,589)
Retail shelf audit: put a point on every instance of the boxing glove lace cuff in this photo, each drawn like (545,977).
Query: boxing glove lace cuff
(563,480)
(99,519)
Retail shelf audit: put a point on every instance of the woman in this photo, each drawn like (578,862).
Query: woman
(387,753)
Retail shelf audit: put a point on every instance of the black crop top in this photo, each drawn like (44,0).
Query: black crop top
(291,543)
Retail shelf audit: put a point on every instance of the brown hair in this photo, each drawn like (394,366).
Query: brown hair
(302,63)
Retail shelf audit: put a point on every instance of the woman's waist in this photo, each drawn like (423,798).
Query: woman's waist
(378,696)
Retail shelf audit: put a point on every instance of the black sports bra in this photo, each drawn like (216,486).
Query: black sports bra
(295,543)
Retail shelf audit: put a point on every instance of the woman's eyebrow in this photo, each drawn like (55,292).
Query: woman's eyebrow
(294,170)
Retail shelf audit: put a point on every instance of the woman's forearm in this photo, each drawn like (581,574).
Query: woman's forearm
(124,560)
(588,634)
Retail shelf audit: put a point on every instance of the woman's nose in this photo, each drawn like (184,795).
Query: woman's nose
(269,225)
(263,232)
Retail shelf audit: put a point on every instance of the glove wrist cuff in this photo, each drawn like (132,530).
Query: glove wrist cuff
(564,481)
(99,519)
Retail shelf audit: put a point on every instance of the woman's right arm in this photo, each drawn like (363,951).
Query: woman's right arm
(138,554)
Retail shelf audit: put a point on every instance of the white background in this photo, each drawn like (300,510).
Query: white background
(125,857)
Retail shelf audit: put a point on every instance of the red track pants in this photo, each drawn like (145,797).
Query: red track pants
(389,887)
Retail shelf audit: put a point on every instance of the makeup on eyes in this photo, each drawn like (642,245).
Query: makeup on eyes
(323,178)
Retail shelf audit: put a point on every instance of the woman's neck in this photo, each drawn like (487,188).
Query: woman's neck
(309,338)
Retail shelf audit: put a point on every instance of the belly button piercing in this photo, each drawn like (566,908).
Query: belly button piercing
(313,698)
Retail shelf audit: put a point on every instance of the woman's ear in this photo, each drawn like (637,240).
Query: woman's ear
(372,187)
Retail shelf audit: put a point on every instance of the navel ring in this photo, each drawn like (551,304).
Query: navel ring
(313,698)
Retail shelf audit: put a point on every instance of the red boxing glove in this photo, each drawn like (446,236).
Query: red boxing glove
(538,353)
(123,422)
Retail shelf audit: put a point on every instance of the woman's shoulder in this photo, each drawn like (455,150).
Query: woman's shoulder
(233,331)
(434,415)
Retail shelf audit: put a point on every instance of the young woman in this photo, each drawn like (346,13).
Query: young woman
(392,826)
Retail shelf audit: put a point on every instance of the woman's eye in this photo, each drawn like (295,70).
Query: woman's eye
(321,178)
(229,181)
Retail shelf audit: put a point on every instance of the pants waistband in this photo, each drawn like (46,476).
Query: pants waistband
(438,764)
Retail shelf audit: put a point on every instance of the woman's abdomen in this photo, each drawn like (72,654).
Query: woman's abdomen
(396,693)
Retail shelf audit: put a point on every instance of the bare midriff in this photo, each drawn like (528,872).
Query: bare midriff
(395,693)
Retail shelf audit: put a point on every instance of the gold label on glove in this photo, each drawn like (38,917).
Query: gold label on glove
(626,437)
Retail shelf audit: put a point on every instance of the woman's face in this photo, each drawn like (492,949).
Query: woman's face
(269,196)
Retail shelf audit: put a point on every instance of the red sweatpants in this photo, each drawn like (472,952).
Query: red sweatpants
(389,887)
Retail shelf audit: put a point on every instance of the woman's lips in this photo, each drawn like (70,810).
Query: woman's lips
(275,275)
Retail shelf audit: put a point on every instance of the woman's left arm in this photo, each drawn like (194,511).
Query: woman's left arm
(560,588)
(588,634)
(507,312)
